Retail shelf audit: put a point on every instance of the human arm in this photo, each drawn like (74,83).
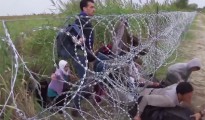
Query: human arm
(73,77)
(84,23)
(78,41)
(53,76)
(149,83)
(198,115)
(134,72)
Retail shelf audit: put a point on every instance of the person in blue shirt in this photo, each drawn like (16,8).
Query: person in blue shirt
(87,11)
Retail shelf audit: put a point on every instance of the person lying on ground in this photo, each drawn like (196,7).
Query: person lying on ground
(181,71)
(170,96)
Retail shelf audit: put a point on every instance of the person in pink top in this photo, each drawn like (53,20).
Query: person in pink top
(58,82)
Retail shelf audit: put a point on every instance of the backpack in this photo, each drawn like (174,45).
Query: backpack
(66,40)
(66,36)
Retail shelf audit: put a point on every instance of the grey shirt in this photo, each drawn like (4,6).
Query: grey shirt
(163,97)
(181,71)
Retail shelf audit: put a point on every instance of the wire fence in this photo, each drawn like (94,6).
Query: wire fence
(156,35)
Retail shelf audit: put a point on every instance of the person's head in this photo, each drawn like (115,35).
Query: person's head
(194,64)
(88,7)
(184,92)
(196,68)
(63,66)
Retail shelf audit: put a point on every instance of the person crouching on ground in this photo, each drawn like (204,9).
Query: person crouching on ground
(58,83)
(180,72)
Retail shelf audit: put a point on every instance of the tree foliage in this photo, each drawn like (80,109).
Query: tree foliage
(182,4)
(193,6)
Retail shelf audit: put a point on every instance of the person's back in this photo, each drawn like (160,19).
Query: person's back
(169,91)
(83,21)
(181,71)
(58,81)
(178,67)
(88,32)
(170,96)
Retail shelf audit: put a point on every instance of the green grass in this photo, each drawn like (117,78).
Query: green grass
(2,49)
(1,30)
(16,27)
(36,47)
(203,17)
(178,56)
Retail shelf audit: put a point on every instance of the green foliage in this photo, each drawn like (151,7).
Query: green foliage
(71,8)
(5,58)
(36,47)
(182,4)
(176,57)
(1,30)
(152,8)
(16,27)
(110,7)
(115,7)
(201,10)
(193,6)
(38,51)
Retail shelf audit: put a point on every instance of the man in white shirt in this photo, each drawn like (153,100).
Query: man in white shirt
(170,96)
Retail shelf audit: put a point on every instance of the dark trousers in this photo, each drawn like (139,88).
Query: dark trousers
(99,65)
(79,65)
(78,61)
(58,101)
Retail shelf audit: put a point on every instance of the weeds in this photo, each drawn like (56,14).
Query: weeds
(36,47)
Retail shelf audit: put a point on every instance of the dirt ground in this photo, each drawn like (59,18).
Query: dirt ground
(195,48)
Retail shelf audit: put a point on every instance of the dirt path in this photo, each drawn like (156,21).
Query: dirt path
(196,48)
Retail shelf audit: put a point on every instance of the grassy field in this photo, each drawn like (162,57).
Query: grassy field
(18,25)
(1,30)
(36,48)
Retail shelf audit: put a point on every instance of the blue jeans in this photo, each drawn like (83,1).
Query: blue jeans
(100,66)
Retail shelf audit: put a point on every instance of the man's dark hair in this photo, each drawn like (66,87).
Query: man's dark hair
(84,3)
(184,87)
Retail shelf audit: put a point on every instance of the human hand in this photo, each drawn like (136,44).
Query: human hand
(53,76)
(197,116)
(181,80)
(137,117)
(156,84)
(82,40)
(74,78)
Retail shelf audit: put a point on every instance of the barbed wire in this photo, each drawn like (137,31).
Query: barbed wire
(158,35)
